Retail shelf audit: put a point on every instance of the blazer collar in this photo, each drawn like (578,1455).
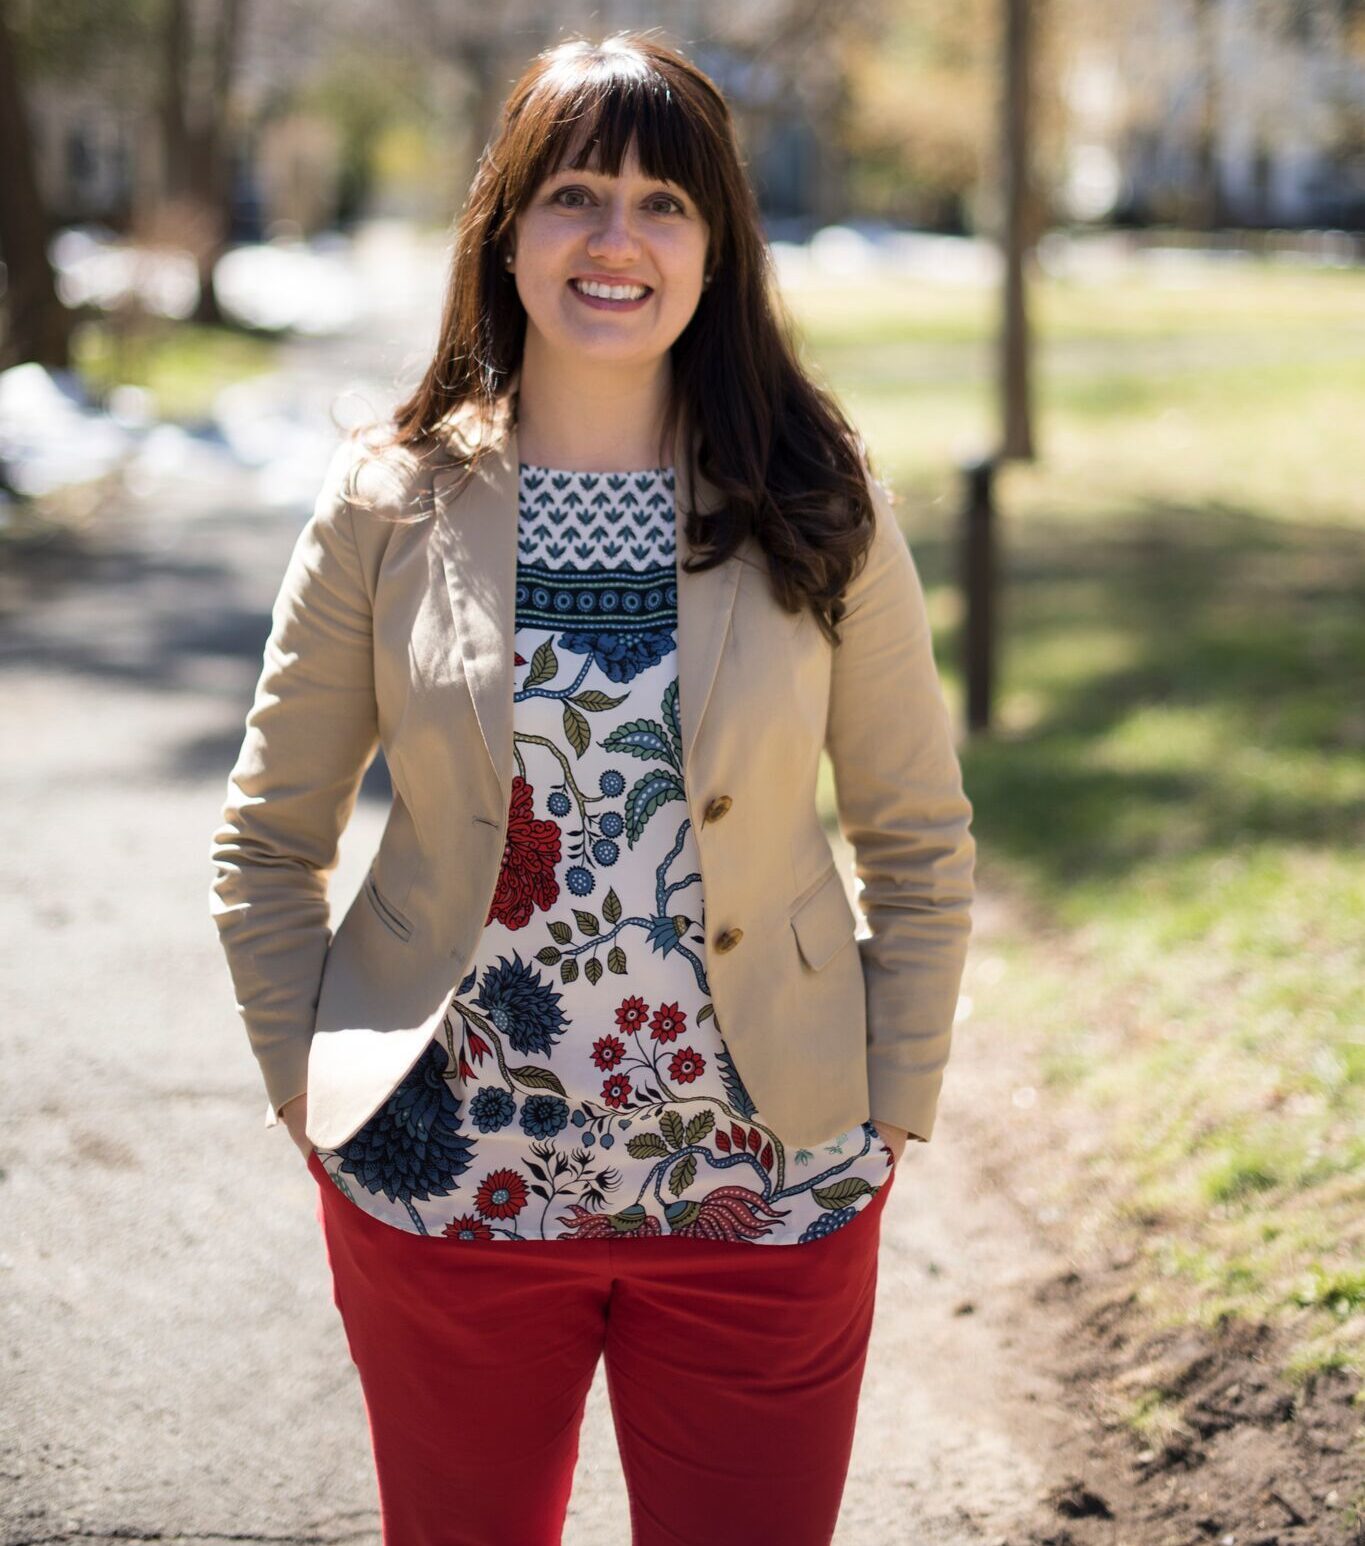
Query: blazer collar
(476,532)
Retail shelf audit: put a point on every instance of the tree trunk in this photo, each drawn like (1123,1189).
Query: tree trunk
(197,144)
(37,327)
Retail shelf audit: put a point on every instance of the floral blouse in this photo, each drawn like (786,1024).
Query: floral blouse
(580,1087)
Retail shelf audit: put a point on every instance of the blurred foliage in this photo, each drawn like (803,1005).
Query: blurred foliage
(73,37)
(183,366)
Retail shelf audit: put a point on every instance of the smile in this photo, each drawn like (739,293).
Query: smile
(610,297)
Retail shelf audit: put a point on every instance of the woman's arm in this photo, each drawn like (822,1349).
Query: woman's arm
(902,806)
(310,734)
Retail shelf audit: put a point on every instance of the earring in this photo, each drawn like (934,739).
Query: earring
(507,259)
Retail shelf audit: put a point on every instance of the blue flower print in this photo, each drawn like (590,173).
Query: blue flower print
(542,1116)
(826,1223)
(412,1148)
(522,1007)
(619,656)
(492,1109)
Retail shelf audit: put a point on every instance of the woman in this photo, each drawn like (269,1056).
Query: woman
(597,1026)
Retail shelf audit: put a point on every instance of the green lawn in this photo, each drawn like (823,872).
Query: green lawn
(183,365)
(1174,804)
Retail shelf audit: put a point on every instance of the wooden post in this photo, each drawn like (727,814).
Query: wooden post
(976,553)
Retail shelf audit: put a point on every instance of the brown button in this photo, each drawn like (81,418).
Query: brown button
(727,939)
(718,807)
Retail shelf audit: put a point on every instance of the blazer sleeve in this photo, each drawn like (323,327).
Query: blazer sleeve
(901,805)
(311,732)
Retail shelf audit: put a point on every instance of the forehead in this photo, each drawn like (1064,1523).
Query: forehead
(606,140)
(572,158)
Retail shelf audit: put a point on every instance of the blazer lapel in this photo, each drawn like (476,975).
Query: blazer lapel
(476,532)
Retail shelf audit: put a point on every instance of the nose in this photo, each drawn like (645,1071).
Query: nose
(613,235)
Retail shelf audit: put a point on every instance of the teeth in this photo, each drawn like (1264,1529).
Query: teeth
(610,292)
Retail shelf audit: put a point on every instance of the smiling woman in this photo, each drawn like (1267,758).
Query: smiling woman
(596,1066)
(610,269)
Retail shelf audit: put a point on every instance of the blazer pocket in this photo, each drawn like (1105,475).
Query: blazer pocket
(389,915)
(823,921)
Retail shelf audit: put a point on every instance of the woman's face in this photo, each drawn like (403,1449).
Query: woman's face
(585,230)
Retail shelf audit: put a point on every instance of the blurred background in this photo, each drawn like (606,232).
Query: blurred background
(1088,275)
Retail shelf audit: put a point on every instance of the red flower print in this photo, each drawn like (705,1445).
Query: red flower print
(686,1065)
(630,1016)
(500,1195)
(478,1047)
(527,878)
(467,1228)
(630,1224)
(668,1022)
(731,1213)
(608,1051)
(616,1090)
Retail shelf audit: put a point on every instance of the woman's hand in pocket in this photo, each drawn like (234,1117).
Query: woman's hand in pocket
(294,1114)
(895,1138)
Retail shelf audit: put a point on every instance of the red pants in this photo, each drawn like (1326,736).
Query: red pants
(733,1372)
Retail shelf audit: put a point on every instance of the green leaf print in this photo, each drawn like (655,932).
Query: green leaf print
(841,1193)
(592,969)
(576,728)
(611,906)
(671,1126)
(643,738)
(587,921)
(544,665)
(684,1174)
(699,1126)
(646,1146)
(534,1078)
(671,716)
(646,796)
(616,960)
(594,701)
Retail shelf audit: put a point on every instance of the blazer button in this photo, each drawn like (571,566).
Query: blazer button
(727,939)
(718,807)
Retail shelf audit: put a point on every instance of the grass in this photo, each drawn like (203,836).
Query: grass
(183,365)
(1174,798)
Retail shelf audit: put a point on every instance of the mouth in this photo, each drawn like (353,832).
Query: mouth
(610,297)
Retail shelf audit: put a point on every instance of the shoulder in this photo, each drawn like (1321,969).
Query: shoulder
(373,475)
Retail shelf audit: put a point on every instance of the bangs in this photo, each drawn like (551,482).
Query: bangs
(589,123)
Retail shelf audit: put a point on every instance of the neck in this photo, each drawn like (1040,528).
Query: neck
(585,417)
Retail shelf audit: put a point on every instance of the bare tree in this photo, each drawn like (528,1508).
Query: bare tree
(195,132)
(37,325)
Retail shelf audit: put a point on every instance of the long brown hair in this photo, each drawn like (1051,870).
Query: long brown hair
(790,469)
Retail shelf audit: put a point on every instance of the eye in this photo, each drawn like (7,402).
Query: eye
(661,203)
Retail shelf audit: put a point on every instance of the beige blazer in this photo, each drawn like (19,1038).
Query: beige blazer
(401,635)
